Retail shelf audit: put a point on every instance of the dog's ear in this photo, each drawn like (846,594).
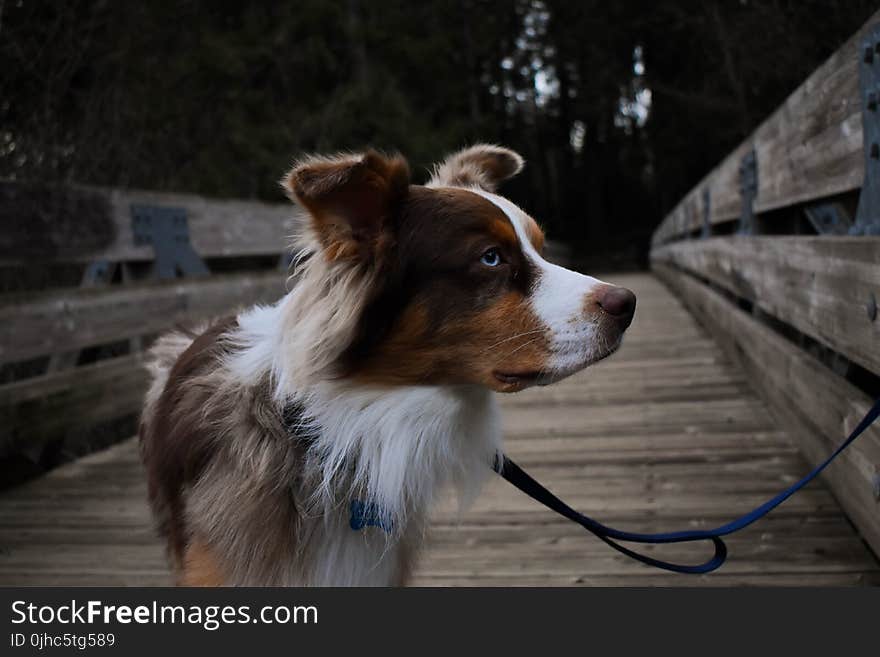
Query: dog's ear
(350,199)
(482,165)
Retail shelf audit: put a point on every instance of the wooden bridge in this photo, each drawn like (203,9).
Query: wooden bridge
(754,351)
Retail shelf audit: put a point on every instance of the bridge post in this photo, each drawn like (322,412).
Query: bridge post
(868,213)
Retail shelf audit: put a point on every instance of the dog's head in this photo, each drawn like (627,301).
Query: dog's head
(458,289)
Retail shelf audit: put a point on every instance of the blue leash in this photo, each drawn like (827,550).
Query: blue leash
(519,478)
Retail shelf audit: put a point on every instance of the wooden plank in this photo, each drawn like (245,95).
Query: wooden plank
(812,146)
(818,407)
(725,201)
(36,325)
(579,552)
(687,216)
(657,390)
(38,410)
(648,418)
(822,286)
(446,532)
(81,224)
(646,450)
(809,148)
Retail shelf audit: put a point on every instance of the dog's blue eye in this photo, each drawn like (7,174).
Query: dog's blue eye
(491,258)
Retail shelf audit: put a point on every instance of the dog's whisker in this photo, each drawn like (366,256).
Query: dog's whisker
(522,346)
(512,337)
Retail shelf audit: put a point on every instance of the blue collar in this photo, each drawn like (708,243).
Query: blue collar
(362,514)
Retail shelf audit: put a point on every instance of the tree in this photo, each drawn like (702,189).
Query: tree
(619,108)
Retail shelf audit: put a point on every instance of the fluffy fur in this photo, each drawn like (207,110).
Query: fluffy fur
(371,380)
(483,166)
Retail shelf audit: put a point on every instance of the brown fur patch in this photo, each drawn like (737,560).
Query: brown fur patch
(536,235)
(200,567)
(350,199)
(176,444)
(505,337)
(501,229)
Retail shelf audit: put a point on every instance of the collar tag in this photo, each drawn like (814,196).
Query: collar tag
(368,515)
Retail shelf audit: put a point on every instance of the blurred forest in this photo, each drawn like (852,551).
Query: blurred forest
(618,107)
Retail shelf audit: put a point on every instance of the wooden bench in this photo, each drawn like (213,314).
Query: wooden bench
(774,262)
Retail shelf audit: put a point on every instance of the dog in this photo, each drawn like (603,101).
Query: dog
(303,443)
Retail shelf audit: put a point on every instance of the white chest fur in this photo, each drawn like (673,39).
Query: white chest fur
(346,557)
(396,449)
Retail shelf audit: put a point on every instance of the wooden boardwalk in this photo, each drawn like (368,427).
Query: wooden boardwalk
(665,435)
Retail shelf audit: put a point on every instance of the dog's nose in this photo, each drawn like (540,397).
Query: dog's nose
(618,302)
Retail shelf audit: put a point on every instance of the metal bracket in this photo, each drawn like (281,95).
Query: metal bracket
(748,189)
(868,214)
(97,273)
(166,230)
(707,214)
(829,218)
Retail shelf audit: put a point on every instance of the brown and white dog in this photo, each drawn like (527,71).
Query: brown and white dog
(371,382)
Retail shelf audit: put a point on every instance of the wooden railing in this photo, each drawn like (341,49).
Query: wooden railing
(63,397)
(777,267)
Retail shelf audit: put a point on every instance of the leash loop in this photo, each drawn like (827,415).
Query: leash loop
(524,482)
